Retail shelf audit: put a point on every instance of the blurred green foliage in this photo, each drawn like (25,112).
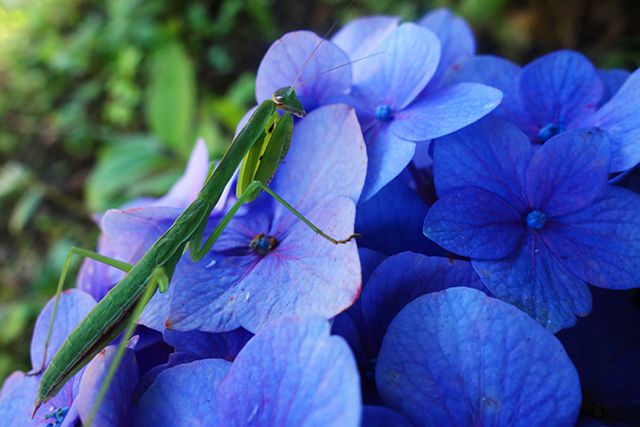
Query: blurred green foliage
(101,102)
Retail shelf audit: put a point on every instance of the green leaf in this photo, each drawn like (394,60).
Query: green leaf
(170,100)
(124,170)
(24,209)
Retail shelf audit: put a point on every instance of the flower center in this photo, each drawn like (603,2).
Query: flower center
(536,219)
(56,417)
(383,113)
(263,244)
(550,130)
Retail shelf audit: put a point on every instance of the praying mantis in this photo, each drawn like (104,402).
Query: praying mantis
(258,149)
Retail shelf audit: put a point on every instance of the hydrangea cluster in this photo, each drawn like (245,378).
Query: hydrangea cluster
(488,200)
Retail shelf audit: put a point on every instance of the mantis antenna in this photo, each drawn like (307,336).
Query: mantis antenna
(315,49)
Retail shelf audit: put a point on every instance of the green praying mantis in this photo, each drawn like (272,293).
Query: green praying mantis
(258,149)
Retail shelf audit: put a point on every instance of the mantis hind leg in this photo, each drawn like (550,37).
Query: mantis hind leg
(158,278)
(85,253)
(197,252)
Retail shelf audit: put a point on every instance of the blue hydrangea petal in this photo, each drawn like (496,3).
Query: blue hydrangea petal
(183,395)
(410,58)
(402,278)
(380,416)
(391,221)
(223,292)
(458,357)
(456,38)
(387,155)
(499,73)
(292,374)
(73,307)
(96,278)
(538,283)
(301,268)
(613,79)
(568,172)
(16,403)
(562,87)
(620,119)
(204,295)
(116,408)
(444,111)
(327,159)
(491,154)
(284,60)
(206,345)
(600,244)
(361,37)
(475,223)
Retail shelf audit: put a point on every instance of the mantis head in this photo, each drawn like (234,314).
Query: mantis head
(286,100)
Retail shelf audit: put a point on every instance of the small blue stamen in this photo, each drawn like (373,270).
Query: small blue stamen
(536,219)
(550,130)
(383,113)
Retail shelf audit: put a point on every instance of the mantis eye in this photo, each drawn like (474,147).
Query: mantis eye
(278,99)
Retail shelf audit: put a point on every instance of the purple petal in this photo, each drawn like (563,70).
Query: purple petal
(286,57)
(492,154)
(456,38)
(327,159)
(621,120)
(568,172)
(292,374)
(361,37)
(535,281)
(458,357)
(561,88)
(496,72)
(379,416)
(475,223)
(204,294)
(600,244)
(183,395)
(222,292)
(117,408)
(445,111)
(613,80)
(19,395)
(302,267)
(186,189)
(402,278)
(387,155)
(409,58)
(391,221)
(73,307)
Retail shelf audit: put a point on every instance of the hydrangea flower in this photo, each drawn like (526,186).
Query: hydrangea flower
(561,91)
(459,358)
(395,112)
(235,285)
(536,223)
(76,398)
(292,373)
